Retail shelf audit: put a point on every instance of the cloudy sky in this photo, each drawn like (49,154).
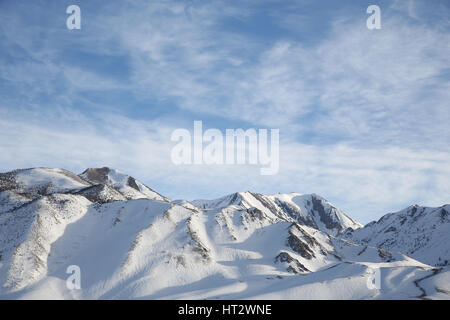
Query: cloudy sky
(363,114)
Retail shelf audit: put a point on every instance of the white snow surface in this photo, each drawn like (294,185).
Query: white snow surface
(242,246)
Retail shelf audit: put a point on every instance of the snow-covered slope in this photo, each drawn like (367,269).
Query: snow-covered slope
(420,232)
(132,243)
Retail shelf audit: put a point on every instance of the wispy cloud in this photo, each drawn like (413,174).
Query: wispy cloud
(363,115)
(365,182)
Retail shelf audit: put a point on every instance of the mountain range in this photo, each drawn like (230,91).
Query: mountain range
(130,242)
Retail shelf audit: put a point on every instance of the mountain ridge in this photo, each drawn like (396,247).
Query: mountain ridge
(131,242)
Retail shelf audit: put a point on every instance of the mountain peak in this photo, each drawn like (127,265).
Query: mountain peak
(308,209)
(33,183)
(127,185)
(416,231)
(97,175)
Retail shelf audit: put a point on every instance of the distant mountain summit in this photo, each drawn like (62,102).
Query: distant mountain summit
(125,184)
(103,183)
(131,242)
(307,209)
(420,232)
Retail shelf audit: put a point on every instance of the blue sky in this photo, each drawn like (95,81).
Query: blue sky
(363,114)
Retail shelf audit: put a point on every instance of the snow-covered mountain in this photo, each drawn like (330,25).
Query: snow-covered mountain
(128,186)
(132,243)
(309,210)
(420,232)
(20,186)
